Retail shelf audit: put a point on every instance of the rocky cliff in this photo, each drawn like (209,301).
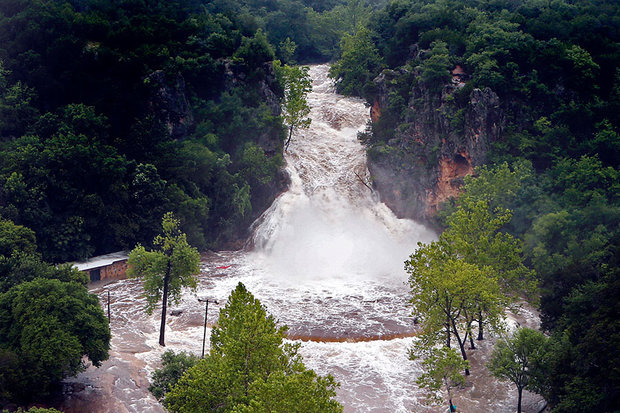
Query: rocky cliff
(168,103)
(419,163)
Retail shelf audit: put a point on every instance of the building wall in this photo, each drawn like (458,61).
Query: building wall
(114,271)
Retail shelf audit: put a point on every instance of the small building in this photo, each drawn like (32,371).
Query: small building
(459,77)
(105,267)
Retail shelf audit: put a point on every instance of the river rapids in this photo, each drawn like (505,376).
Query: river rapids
(326,260)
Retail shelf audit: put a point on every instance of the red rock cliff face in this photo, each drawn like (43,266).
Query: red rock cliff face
(375,111)
(451,174)
(437,145)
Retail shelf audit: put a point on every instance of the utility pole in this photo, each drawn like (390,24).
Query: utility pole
(109,307)
(204,335)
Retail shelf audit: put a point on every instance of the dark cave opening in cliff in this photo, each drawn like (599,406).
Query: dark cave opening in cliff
(461,165)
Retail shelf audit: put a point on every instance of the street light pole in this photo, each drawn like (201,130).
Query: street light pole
(204,335)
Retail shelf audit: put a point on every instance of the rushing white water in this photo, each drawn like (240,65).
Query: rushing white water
(327,261)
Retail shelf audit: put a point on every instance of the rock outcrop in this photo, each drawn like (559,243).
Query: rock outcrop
(444,137)
(168,103)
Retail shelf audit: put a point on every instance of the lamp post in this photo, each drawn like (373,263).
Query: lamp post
(204,335)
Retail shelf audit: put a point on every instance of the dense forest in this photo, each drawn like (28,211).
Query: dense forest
(114,113)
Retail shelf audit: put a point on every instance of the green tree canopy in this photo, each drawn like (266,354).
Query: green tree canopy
(359,64)
(442,369)
(304,392)
(49,326)
(514,358)
(20,262)
(250,369)
(16,238)
(166,270)
(435,68)
(297,84)
(174,365)
(446,295)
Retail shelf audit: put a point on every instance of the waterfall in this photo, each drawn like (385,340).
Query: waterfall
(329,223)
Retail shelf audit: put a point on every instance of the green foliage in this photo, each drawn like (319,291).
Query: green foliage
(434,69)
(255,51)
(568,217)
(475,234)
(468,276)
(515,358)
(59,183)
(443,369)
(19,261)
(554,166)
(358,65)
(304,392)
(578,372)
(48,326)
(447,294)
(250,368)
(287,49)
(173,366)
(16,106)
(110,116)
(543,60)
(16,238)
(296,84)
(166,270)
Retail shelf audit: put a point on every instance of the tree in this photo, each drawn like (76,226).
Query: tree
(16,110)
(446,293)
(359,64)
(166,270)
(49,326)
(255,51)
(20,262)
(474,234)
(287,49)
(442,369)
(250,369)
(297,84)
(512,358)
(172,369)
(16,238)
(435,69)
(578,371)
(304,392)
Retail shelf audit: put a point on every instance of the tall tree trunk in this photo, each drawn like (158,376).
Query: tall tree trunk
(470,321)
(520,389)
(290,135)
(164,306)
(480,326)
(461,344)
(447,322)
